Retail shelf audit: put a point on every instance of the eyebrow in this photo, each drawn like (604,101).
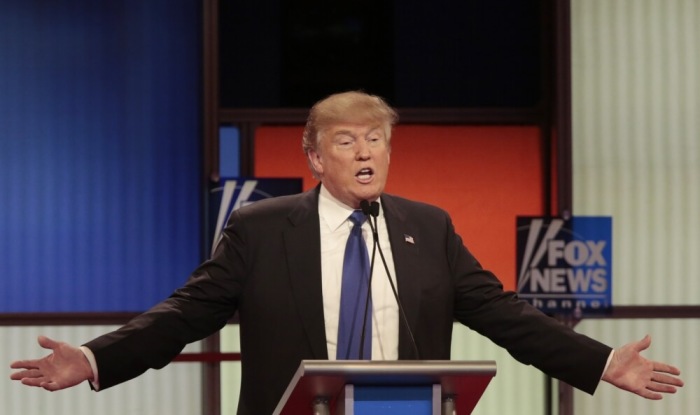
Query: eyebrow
(351,134)
(344,132)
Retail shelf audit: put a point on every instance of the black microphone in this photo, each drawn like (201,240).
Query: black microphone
(366,210)
(371,210)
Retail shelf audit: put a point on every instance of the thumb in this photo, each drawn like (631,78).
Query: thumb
(643,344)
(47,343)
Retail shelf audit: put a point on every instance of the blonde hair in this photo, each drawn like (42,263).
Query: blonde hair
(346,107)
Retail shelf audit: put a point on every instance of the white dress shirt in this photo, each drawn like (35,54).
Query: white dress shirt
(335,229)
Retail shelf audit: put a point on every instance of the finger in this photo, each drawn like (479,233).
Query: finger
(24,364)
(18,375)
(34,373)
(659,387)
(33,381)
(50,386)
(654,396)
(666,379)
(665,368)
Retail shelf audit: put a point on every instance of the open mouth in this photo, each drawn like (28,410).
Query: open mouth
(365,174)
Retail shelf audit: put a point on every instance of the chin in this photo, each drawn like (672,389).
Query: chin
(370,197)
(368,194)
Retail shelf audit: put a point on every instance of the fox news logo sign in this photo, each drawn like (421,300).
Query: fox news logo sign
(232,193)
(565,266)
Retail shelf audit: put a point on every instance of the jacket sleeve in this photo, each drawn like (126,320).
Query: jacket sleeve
(529,335)
(194,311)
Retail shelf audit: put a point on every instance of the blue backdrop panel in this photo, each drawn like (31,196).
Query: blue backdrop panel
(99,152)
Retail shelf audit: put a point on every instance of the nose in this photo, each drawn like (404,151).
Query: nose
(363,150)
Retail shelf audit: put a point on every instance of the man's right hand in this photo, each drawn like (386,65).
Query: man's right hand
(66,366)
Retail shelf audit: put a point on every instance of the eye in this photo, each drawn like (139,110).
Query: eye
(373,141)
(345,142)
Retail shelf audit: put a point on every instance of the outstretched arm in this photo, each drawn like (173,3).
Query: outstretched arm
(66,366)
(630,371)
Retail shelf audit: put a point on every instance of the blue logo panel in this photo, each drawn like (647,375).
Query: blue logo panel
(565,266)
(232,193)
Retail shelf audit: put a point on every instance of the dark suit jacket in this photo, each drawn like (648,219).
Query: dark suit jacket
(268,268)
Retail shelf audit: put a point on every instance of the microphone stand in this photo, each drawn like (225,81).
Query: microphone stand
(372,211)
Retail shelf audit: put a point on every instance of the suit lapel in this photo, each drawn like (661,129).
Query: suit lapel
(405,249)
(303,254)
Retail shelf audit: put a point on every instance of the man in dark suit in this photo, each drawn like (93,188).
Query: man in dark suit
(278,264)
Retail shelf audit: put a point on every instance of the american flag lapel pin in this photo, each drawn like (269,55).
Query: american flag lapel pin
(409,239)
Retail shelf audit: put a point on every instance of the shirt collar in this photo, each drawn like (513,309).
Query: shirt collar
(333,211)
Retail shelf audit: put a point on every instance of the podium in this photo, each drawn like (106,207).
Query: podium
(408,387)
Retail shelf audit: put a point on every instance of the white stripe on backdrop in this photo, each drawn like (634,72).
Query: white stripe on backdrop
(176,389)
(636,154)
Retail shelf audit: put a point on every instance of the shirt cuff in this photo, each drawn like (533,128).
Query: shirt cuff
(94,382)
(605,369)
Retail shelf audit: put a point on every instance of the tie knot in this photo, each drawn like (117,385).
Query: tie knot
(357,217)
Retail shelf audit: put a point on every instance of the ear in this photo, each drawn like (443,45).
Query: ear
(316,161)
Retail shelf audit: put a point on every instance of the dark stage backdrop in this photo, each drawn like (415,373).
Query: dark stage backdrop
(99,152)
(414,53)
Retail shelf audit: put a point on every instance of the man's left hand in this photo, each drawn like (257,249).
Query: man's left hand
(630,371)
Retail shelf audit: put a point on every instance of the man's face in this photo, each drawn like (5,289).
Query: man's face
(352,161)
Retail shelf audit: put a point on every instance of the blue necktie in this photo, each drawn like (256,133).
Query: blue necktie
(354,296)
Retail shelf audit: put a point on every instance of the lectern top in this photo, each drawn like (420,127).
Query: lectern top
(463,380)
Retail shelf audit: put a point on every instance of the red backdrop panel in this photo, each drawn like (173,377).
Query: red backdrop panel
(484,176)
